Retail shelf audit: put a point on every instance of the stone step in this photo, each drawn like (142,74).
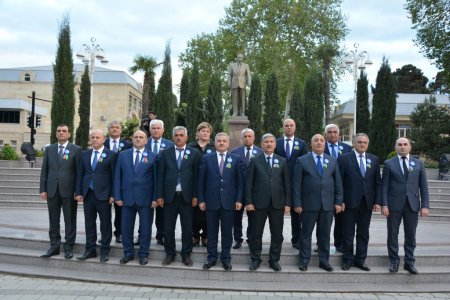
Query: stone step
(26,171)
(440,203)
(439,196)
(22,163)
(20,183)
(439,189)
(436,215)
(32,177)
(19,196)
(438,183)
(19,189)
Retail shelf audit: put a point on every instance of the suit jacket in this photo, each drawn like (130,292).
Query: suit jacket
(168,173)
(265,186)
(123,144)
(102,176)
(165,143)
(397,189)
(313,192)
(135,186)
(239,76)
(241,150)
(221,191)
(60,176)
(355,185)
(299,148)
(341,149)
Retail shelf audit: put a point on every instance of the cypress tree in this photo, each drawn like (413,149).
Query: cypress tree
(84,110)
(295,112)
(214,104)
(272,120)
(63,96)
(362,104)
(382,131)
(313,105)
(164,107)
(184,94)
(194,105)
(254,108)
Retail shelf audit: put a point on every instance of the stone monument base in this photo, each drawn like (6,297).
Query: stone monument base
(235,126)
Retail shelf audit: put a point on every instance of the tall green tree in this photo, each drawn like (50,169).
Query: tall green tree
(63,95)
(439,86)
(431,128)
(272,118)
(362,104)
(382,129)
(180,114)
(164,105)
(146,64)
(313,105)
(214,104)
(410,80)
(254,108)
(84,110)
(194,104)
(295,112)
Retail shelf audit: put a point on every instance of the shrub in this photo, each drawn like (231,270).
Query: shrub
(8,153)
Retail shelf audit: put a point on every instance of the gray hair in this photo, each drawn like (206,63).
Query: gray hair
(155,122)
(267,136)
(178,128)
(114,123)
(356,136)
(221,134)
(329,126)
(98,130)
(245,130)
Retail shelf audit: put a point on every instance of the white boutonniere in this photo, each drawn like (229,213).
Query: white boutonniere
(144,157)
(276,161)
(102,157)
(163,145)
(229,159)
(296,147)
(66,155)
(325,163)
(186,154)
(340,149)
(368,163)
(411,165)
(254,152)
(121,146)
(208,151)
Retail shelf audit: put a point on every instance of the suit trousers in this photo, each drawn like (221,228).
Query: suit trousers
(171,211)
(159,222)
(145,229)
(359,217)
(296,226)
(324,219)
(238,100)
(338,229)
(117,220)
(69,208)
(257,222)
(237,226)
(410,220)
(224,219)
(92,206)
(199,225)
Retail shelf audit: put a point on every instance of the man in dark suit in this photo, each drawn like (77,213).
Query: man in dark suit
(60,168)
(177,193)
(134,192)
(267,195)
(117,144)
(292,148)
(156,143)
(360,173)
(246,152)
(405,193)
(317,191)
(220,193)
(335,149)
(95,191)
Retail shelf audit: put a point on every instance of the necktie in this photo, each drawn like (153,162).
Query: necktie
(319,165)
(268,162)
(333,152)
(180,151)
(136,160)
(405,167)
(155,146)
(115,149)
(361,165)
(60,154)
(247,155)
(93,165)
(222,162)
(288,149)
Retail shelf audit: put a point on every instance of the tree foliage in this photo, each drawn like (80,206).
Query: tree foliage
(254,108)
(439,85)
(195,104)
(63,94)
(84,110)
(362,104)
(312,106)
(382,129)
(271,117)
(410,80)
(295,112)
(326,52)
(214,104)
(146,64)
(180,114)
(431,128)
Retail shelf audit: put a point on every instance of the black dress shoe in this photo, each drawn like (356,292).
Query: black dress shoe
(168,260)
(104,258)
(316,248)
(118,239)
(52,251)
(393,268)
(227,267)
(237,245)
(254,265)
(326,267)
(208,265)
(187,261)
(195,242)
(99,240)
(160,242)
(339,249)
(411,269)
(346,266)
(275,266)
(303,267)
(87,255)
(68,253)
(362,266)
(143,261)
(126,259)
(205,242)
(136,241)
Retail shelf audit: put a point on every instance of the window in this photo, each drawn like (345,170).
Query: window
(14,144)
(10,116)
(404,130)
(1,144)
(27,77)
(344,132)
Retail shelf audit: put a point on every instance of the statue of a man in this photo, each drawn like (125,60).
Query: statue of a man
(238,78)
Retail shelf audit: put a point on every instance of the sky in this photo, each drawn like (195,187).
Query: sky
(29,29)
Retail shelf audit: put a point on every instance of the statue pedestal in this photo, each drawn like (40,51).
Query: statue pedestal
(235,126)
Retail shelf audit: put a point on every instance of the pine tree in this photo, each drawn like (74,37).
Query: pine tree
(254,108)
(63,97)
(194,105)
(272,120)
(214,104)
(146,64)
(382,131)
(312,106)
(184,94)
(362,104)
(164,107)
(84,110)
(295,112)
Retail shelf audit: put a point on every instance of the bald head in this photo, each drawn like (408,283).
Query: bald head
(97,138)
(318,144)
(139,139)
(289,128)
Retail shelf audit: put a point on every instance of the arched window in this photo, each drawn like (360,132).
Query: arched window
(27,77)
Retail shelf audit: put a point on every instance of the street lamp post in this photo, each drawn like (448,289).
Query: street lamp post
(87,54)
(359,61)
